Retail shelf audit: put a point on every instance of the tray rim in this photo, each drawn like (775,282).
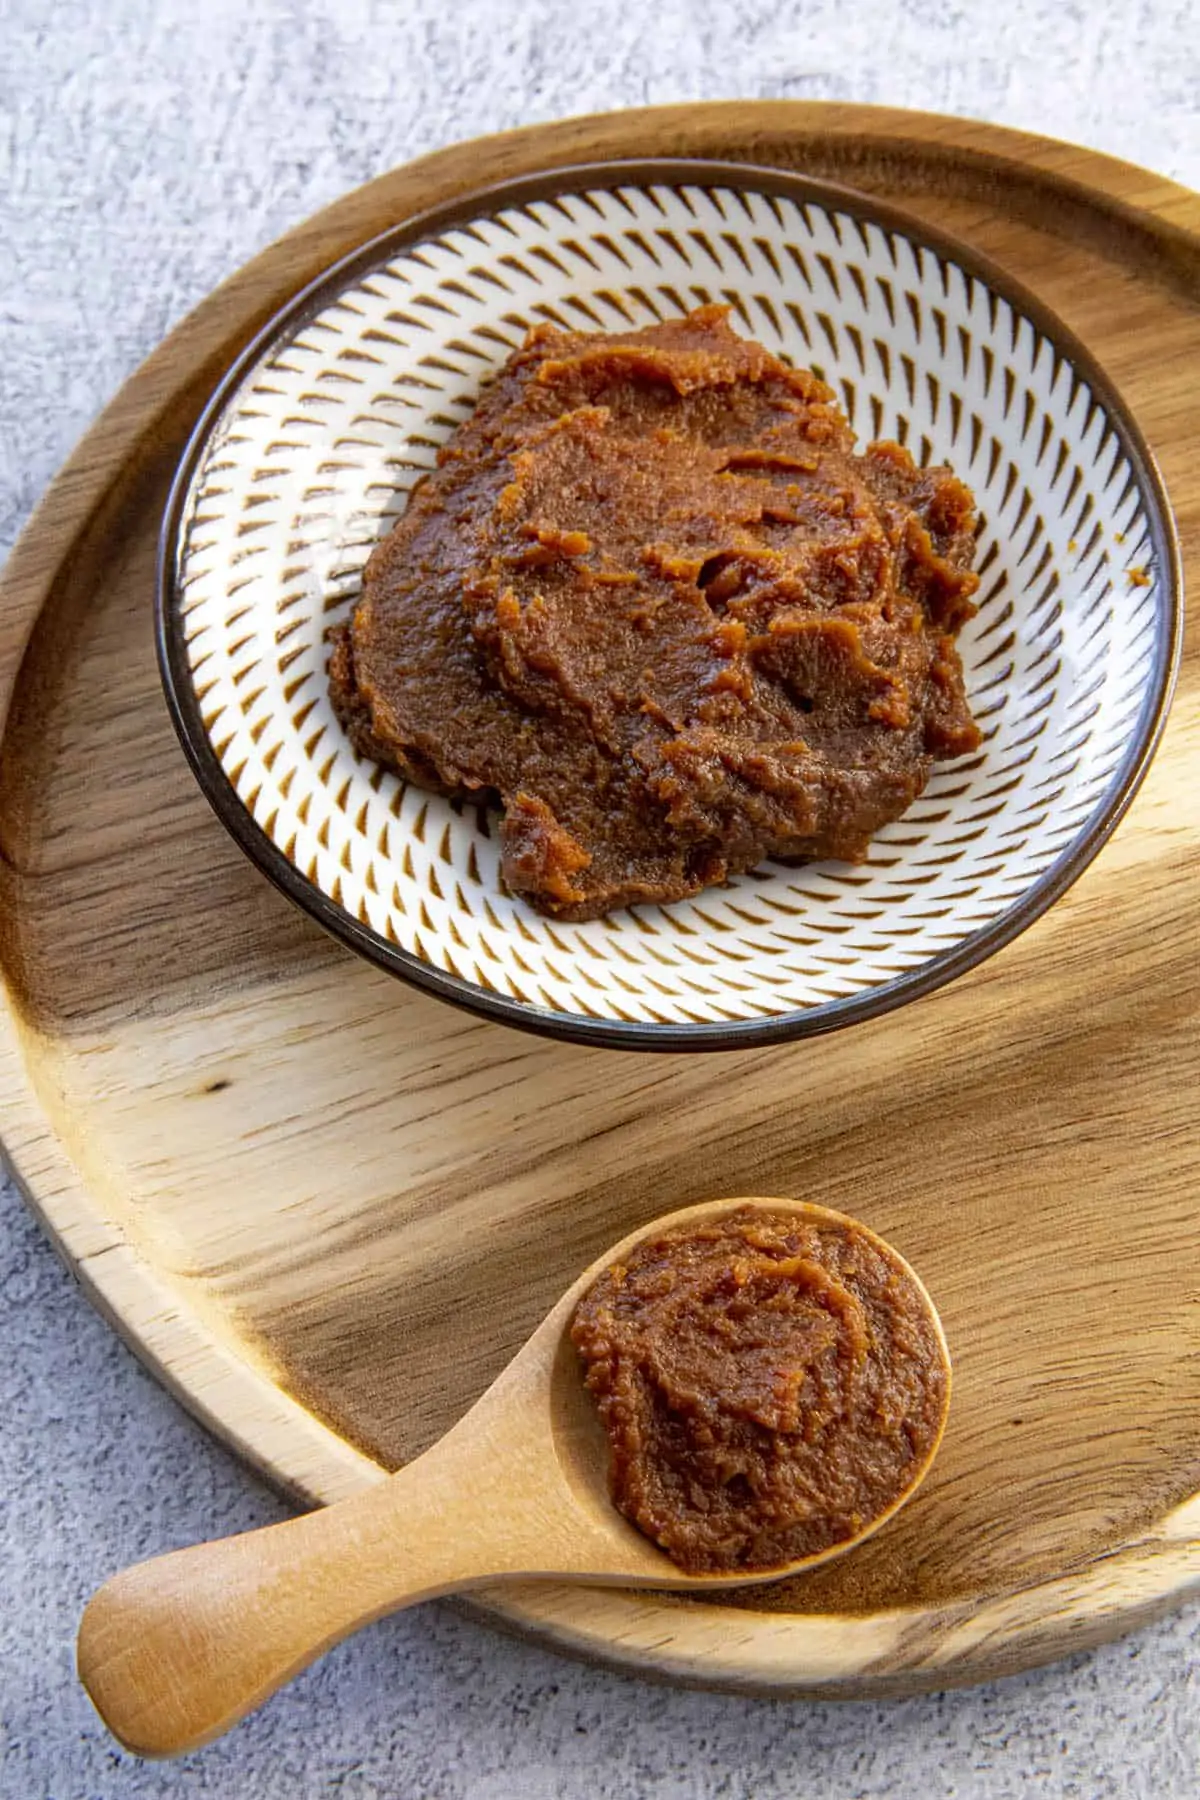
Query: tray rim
(791,1654)
(831,1015)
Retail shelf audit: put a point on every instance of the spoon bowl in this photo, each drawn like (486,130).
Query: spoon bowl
(175,1650)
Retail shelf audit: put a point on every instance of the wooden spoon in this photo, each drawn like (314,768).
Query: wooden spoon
(175,1651)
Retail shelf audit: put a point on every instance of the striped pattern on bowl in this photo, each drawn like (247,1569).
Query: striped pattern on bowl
(314,443)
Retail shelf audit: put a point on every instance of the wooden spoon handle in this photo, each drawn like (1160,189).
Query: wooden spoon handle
(174,1651)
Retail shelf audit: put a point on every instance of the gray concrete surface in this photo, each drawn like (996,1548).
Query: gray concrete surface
(145,151)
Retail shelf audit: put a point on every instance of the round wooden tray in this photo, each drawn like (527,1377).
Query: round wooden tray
(325,1208)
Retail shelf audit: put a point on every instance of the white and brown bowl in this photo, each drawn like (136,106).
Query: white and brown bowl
(307,452)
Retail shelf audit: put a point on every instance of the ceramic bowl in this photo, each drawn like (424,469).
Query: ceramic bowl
(306,456)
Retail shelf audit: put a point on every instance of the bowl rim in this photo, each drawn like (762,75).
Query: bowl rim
(184,707)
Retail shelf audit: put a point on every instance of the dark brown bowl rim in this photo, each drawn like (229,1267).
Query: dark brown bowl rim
(579,1028)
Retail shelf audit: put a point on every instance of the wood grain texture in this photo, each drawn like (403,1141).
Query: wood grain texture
(327,1209)
(175,1650)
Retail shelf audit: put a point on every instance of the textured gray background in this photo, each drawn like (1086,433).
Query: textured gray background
(145,151)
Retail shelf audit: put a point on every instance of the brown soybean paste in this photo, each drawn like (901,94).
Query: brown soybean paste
(653,604)
(769,1386)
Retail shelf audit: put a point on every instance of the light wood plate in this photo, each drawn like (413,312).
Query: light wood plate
(325,1208)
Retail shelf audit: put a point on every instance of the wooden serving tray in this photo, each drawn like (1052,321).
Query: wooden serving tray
(325,1208)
